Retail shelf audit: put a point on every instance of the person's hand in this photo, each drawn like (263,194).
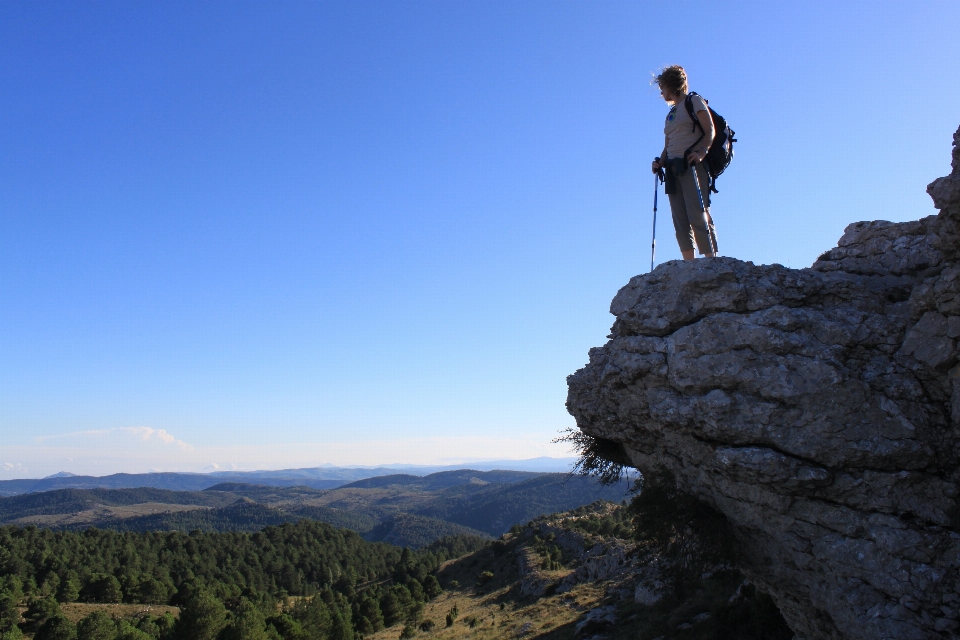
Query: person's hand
(696,156)
(656,165)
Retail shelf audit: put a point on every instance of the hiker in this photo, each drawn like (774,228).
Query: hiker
(686,145)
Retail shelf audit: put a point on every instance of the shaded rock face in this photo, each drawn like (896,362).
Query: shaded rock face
(817,409)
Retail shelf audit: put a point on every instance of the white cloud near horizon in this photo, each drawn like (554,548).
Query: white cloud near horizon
(144,449)
(143,433)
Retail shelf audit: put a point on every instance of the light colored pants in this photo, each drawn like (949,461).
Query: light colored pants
(689,219)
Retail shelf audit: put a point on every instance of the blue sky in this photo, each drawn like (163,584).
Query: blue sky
(277,234)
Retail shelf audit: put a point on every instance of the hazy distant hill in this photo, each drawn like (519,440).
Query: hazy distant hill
(243,515)
(315,477)
(184,481)
(444,479)
(265,493)
(400,508)
(75,501)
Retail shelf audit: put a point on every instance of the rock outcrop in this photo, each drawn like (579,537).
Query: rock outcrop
(594,560)
(817,409)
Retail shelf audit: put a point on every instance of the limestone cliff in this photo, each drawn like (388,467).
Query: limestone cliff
(817,409)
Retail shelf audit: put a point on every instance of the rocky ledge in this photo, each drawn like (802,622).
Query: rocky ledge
(817,409)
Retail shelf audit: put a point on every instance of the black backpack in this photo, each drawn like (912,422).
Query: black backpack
(721,151)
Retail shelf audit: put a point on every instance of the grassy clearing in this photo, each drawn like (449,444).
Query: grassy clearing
(77,611)
(480,615)
(102,514)
(483,600)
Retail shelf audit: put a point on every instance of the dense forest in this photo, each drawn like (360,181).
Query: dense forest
(406,530)
(294,581)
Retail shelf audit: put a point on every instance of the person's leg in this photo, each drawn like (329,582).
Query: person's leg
(681,225)
(696,216)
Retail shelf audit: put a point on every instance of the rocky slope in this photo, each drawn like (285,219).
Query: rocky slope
(818,410)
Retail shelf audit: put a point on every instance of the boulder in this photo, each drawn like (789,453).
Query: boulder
(817,409)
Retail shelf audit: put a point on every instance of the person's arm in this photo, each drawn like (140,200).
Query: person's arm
(658,162)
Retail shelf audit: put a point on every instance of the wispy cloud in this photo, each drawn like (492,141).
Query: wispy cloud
(142,433)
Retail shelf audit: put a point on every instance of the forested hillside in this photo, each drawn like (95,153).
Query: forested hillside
(76,500)
(462,501)
(497,508)
(348,583)
(407,530)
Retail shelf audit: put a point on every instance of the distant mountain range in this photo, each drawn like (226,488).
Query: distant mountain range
(326,477)
(402,509)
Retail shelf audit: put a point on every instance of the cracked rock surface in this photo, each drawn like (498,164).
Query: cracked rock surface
(817,409)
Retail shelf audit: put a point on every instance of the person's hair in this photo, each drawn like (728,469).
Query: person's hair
(673,78)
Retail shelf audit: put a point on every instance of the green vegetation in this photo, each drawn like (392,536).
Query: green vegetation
(76,500)
(306,579)
(402,509)
(342,519)
(551,553)
(603,519)
(296,581)
(406,530)
(495,509)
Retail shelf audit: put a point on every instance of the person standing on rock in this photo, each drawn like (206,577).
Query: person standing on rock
(690,220)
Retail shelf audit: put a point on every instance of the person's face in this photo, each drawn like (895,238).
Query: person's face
(668,95)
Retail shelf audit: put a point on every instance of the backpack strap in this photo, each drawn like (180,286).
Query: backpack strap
(688,103)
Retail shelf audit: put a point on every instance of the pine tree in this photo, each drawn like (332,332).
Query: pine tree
(97,626)
(314,615)
(431,586)
(392,611)
(69,589)
(370,609)
(364,626)
(9,614)
(152,591)
(102,587)
(340,627)
(13,586)
(56,627)
(126,631)
(203,617)
(416,590)
(248,623)
(42,609)
(13,633)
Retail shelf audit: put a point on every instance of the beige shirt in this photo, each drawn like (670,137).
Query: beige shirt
(679,129)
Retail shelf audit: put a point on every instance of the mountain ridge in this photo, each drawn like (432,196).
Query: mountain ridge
(462,502)
(324,477)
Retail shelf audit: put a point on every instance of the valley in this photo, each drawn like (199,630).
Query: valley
(401,509)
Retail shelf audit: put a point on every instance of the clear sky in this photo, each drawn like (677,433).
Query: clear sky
(280,234)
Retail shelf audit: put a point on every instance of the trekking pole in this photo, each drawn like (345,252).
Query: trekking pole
(657,178)
(653,246)
(696,181)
